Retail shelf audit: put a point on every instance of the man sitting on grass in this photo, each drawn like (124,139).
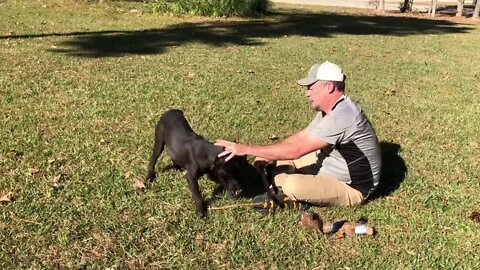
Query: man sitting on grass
(335,161)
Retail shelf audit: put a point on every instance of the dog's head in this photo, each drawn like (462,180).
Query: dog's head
(230,170)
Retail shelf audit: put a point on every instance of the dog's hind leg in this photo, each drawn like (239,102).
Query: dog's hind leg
(157,150)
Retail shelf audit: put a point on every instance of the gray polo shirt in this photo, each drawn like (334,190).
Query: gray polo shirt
(354,154)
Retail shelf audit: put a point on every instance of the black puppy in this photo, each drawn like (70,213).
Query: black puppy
(266,174)
(193,153)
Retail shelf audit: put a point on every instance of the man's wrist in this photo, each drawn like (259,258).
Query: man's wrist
(245,149)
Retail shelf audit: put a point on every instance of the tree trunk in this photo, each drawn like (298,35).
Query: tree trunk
(434,8)
(460,4)
(476,11)
(405,5)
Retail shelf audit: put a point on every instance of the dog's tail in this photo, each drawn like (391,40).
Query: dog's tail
(157,150)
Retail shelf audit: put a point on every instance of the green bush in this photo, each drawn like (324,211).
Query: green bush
(213,7)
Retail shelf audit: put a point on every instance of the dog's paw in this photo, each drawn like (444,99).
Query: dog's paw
(202,214)
(150,177)
(235,194)
(202,211)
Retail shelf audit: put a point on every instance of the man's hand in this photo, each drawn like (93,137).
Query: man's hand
(232,149)
(261,163)
(262,160)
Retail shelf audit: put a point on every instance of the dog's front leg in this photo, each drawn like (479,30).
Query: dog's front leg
(265,171)
(200,204)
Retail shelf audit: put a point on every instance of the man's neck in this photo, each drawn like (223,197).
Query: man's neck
(335,98)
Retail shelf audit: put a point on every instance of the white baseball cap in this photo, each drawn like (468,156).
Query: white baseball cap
(323,72)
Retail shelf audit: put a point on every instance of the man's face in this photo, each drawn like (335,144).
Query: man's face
(317,93)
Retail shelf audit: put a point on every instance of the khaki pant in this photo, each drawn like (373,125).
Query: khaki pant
(299,181)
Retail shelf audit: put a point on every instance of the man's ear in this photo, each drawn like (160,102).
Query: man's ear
(331,87)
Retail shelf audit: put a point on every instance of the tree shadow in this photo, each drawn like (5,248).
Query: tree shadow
(394,170)
(451,10)
(245,33)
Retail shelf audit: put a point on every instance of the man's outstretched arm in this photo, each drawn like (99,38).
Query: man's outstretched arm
(293,147)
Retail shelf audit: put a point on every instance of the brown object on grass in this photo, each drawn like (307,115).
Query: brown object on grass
(6,198)
(311,221)
(348,229)
(339,229)
(475,216)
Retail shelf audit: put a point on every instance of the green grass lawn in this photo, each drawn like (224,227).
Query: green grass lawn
(82,87)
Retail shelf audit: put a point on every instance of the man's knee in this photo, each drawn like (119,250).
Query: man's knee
(283,166)
(290,186)
(279,179)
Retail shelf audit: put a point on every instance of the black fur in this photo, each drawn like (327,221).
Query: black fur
(193,153)
(266,173)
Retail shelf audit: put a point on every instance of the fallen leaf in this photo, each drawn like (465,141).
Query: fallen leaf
(390,92)
(475,216)
(273,137)
(191,75)
(139,184)
(128,174)
(393,198)
(411,253)
(199,238)
(33,170)
(7,197)
(151,219)
(14,153)
(56,179)
(51,160)
(57,185)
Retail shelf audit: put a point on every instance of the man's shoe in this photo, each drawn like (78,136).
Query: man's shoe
(266,205)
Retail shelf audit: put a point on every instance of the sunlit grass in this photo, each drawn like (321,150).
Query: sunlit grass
(90,120)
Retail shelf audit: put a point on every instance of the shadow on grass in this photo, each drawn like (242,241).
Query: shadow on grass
(250,181)
(248,33)
(394,170)
(452,10)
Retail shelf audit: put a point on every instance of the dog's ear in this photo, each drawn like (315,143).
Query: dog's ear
(219,161)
